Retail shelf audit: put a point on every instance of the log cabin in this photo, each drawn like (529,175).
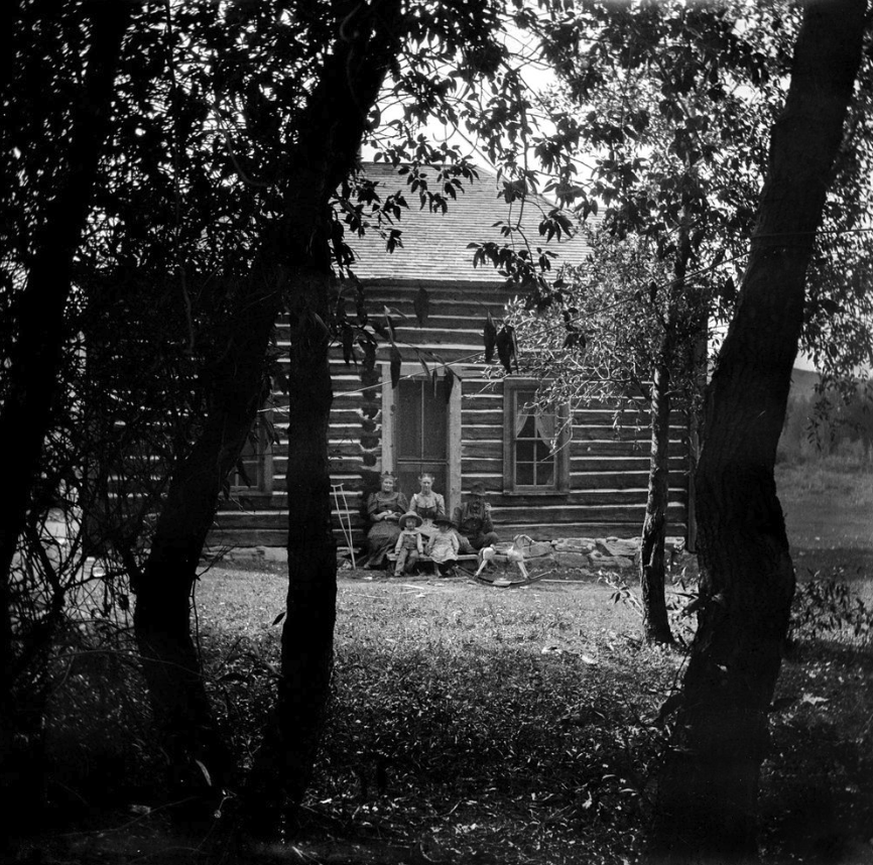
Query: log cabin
(465,426)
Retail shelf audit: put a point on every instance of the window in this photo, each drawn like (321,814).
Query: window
(535,443)
(254,469)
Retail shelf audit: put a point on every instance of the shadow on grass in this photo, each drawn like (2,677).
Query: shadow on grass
(852,564)
(817,785)
(502,726)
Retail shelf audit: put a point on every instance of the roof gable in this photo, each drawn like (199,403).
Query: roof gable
(435,245)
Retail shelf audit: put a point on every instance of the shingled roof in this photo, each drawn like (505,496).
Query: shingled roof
(435,244)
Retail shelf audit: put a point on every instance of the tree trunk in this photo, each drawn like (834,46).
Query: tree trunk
(706,805)
(170,662)
(307,636)
(32,369)
(298,246)
(284,763)
(656,625)
(31,372)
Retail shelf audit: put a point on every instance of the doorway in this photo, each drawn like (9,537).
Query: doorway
(421,432)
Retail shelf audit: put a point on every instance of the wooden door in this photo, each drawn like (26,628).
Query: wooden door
(422,434)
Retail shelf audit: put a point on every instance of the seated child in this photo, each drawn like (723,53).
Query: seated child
(409,546)
(443,547)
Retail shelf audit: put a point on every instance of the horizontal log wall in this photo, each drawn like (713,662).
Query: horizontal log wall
(608,464)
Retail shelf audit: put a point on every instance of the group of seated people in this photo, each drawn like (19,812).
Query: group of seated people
(420,526)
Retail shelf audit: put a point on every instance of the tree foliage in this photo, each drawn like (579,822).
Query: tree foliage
(56,80)
(668,100)
(226,194)
(708,789)
(170,194)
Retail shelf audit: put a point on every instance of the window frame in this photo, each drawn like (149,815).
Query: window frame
(263,457)
(512,386)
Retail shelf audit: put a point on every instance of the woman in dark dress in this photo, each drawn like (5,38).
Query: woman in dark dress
(384,508)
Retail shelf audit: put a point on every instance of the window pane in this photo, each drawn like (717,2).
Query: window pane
(524,452)
(524,473)
(534,462)
(529,430)
(545,472)
(245,472)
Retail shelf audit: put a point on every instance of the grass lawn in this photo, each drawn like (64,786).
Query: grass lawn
(476,724)
(485,725)
(828,508)
(472,724)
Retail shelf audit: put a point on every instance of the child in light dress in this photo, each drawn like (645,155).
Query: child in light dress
(409,546)
(443,547)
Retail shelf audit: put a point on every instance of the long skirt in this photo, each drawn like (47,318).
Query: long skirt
(381,539)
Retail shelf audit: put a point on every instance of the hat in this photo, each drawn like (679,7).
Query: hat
(477,489)
(443,520)
(410,515)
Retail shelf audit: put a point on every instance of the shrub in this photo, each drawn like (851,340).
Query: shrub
(99,744)
(825,608)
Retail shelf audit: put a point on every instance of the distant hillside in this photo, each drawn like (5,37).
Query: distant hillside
(803,382)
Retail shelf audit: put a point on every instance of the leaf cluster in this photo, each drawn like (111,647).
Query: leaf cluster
(826,608)
(609,325)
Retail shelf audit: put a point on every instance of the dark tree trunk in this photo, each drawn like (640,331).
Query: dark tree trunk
(656,625)
(31,372)
(307,636)
(297,248)
(171,665)
(706,806)
(348,88)
(284,764)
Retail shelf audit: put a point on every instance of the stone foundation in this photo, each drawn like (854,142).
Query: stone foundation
(577,553)
(595,552)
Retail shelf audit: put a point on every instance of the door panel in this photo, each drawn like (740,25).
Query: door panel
(421,434)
